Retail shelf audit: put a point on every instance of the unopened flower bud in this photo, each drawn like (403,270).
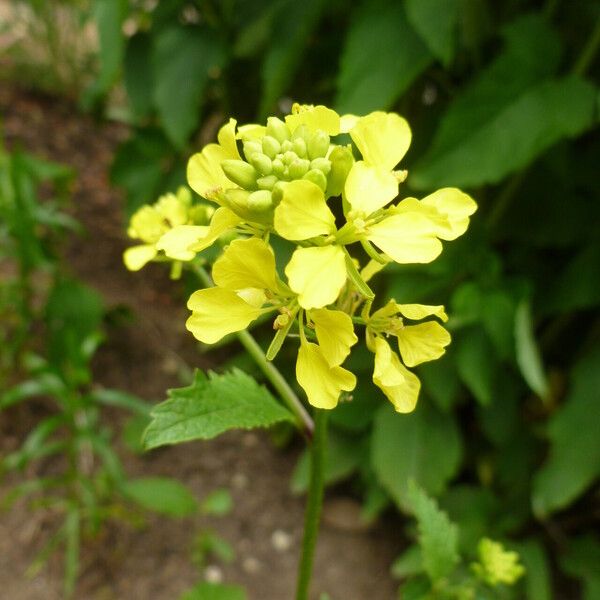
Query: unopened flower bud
(277,193)
(262,163)
(240,172)
(236,200)
(278,167)
(270,146)
(298,168)
(301,132)
(200,214)
(317,177)
(289,157)
(286,146)
(266,183)
(251,148)
(323,164)
(299,147)
(318,144)
(341,162)
(260,201)
(278,129)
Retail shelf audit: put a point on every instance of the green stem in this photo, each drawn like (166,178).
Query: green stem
(313,507)
(269,370)
(588,53)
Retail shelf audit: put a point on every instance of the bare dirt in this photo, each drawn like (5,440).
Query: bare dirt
(143,356)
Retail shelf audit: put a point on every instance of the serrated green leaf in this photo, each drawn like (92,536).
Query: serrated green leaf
(291,28)
(527,352)
(438,536)
(424,446)
(214,591)
(435,21)
(190,55)
(408,564)
(574,461)
(211,406)
(162,495)
(382,56)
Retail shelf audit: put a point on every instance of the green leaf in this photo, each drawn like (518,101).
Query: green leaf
(120,399)
(527,352)
(476,363)
(424,446)
(219,502)
(291,28)
(538,575)
(138,74)
(108,17)
(162,495)
(382,57)
(574,461)
(184,59)
(438,537)
(408,564)
(212,405)
(214,591)
(435,21)
(581,560)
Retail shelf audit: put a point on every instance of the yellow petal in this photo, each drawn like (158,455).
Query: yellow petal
(246,264)
(322,383)
(251,131)
(382,138)
(222,221)
(422,342)
(317,275)
(137,256)
(226,137)
(335,333)
(204,173)
(456,206)
(409,237)
(171,208)
(217,312)
(253,296)
(147,224)
(347,122)
(176,242)
(369,188)
(314,117)
(399,385)
(303,212)
(420,311)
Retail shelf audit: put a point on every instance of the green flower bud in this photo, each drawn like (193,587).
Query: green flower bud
(260,201)
(237,201)
(278,129)
(301,132)
(251,148)
(262,163)
(323,164)
(286,173)
(240,172)
(299,147)
(289,157)
(277,193)
(286,146)
(298,168)
(278,167)
(200,214)
(341,162)
(318,144)
(267,183)
(317,177)
(270,146)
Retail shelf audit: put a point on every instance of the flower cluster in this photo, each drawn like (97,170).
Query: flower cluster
(301,179)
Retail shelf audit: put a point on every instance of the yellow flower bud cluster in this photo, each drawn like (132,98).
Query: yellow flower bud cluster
(496,565)
(296,179)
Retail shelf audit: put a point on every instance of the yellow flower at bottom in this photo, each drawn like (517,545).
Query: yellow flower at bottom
(394,379)
(322,383)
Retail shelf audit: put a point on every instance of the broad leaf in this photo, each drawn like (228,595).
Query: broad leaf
(138,74)
(184,59)
(435,21)
(438,536)
(291,27)
(211,406)
(574,461)
(382,57)
(161,495)
(424,446)
(581,560)
(538,574)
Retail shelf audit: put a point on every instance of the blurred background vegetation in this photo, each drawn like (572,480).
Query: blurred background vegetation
(502,101)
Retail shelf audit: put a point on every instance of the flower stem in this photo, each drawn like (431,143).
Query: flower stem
(270,371)
(313,507)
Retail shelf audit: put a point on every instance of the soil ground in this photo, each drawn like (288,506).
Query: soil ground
(142,356)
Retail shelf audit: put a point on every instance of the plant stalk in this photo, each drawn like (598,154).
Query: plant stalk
(314,503)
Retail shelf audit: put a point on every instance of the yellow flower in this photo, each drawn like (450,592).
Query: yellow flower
(151,222)
(497,565)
